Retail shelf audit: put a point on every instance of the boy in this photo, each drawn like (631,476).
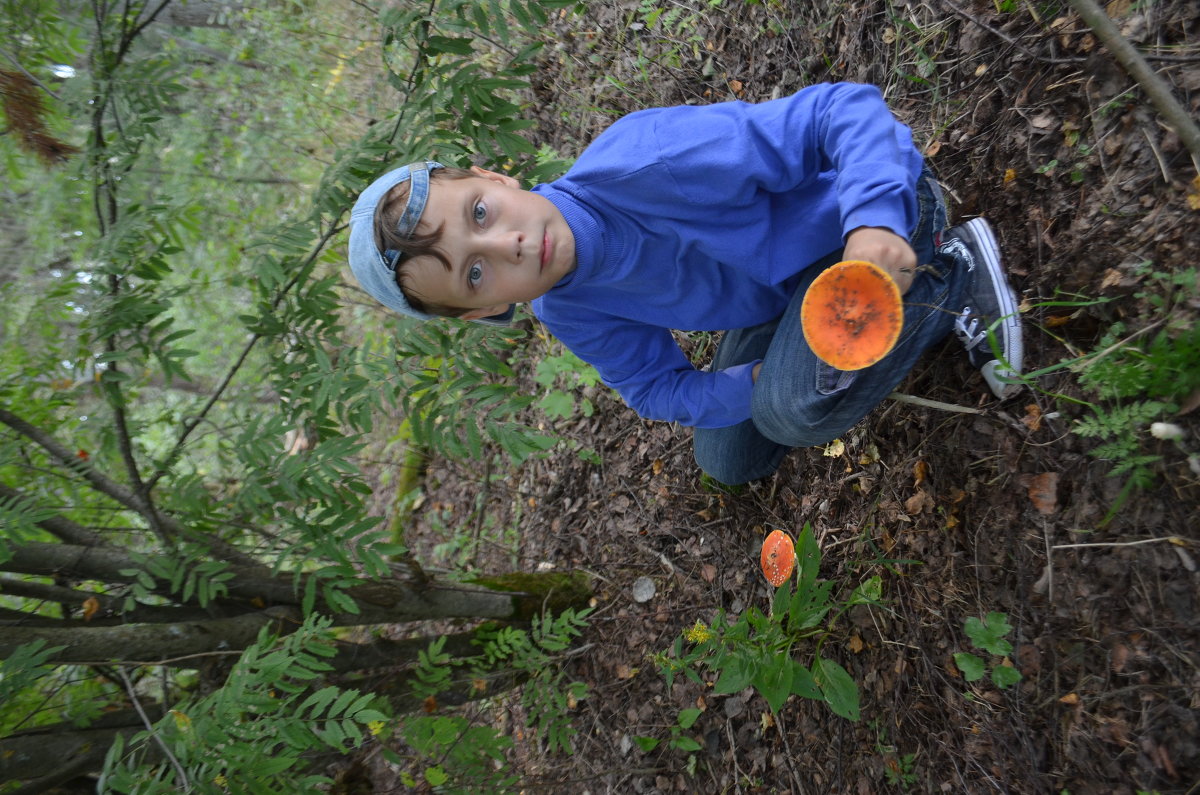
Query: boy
(703,218)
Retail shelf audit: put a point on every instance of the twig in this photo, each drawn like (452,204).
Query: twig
(165,662)
(183,779)
(1176,540)
(900,397)
(27,74)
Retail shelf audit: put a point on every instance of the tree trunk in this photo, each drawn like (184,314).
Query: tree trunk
(516,597)
(32,756)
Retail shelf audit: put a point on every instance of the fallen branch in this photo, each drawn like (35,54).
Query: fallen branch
(900,397)
(1135,65)
(1176,540)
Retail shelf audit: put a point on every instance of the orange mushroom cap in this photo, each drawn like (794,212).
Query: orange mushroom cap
(778,557)
(852,314)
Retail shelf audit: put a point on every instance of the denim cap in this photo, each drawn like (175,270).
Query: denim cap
(375,269)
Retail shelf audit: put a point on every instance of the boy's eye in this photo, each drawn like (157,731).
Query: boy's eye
(480,213)
(475,274)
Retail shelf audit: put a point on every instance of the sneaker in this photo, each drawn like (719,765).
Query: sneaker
(991,307)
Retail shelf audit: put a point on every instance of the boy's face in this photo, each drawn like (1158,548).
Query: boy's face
(505,245)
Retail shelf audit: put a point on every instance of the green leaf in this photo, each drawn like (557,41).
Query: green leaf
(687,717)
(774,681)
(989,633)
(971,666)
(646,743)
(1005,676)
(803,683)
(557,405)
(685,744)
(869,593)
(838,687)
(436,776)
(735,676)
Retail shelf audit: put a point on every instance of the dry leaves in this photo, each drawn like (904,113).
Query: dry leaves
(1043,491)
(91,606)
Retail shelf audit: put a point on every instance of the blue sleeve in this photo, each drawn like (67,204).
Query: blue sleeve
(722,157)
(645,366)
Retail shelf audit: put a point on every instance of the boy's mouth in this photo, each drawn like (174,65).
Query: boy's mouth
(547,250)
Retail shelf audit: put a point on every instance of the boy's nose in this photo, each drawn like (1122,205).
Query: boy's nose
(508,246)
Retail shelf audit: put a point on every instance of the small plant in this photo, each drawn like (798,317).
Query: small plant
(678,740)
(1138,379)
(897,767)
(988,635)
(758,650)
(563,376)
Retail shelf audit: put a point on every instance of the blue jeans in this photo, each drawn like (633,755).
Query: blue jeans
(798,400)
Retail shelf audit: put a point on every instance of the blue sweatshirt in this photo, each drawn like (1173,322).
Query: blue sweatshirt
(701,218)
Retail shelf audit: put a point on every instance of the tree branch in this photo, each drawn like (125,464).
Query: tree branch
(122,494)
(63,529)
(152,642)
(1157,89)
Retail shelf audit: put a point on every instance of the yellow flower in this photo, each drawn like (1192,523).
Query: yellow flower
(698,633)
(375,727)
(220,780)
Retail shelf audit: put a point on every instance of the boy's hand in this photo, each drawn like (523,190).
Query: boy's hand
(886,249)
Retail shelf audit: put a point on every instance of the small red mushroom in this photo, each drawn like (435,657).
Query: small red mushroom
(778,557)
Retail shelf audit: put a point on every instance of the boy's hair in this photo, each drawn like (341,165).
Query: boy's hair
(387,219)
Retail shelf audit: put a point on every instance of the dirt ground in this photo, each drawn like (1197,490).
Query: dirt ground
(1028,121)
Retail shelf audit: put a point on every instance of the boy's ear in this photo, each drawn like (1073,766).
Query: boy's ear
(487,311)
(503,179)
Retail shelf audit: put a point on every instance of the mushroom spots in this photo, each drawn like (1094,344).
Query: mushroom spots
(778,557)
(852,315)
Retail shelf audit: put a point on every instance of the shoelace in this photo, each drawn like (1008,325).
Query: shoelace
(969,330)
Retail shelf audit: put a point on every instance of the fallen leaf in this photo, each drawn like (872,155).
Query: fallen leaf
(918,502)
(657,466)
(1043,121)
(708,572)
(1190,403)
(1112,278)
(933,148)
(835,448)
(1043,491)
(920,472)
(1119,657)
(1010,174)
(855,644)
(1033,417)
(1118,8)
(91,606)
(625,672)
(981,70)
(1070,698)
(1054,321)
(430,705)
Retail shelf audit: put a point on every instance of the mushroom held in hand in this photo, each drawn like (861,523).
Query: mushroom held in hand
(852,314)
(778,557)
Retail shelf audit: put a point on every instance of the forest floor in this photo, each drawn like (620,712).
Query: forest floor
(1028,121)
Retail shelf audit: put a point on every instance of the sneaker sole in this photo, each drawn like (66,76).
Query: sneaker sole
(995,373)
